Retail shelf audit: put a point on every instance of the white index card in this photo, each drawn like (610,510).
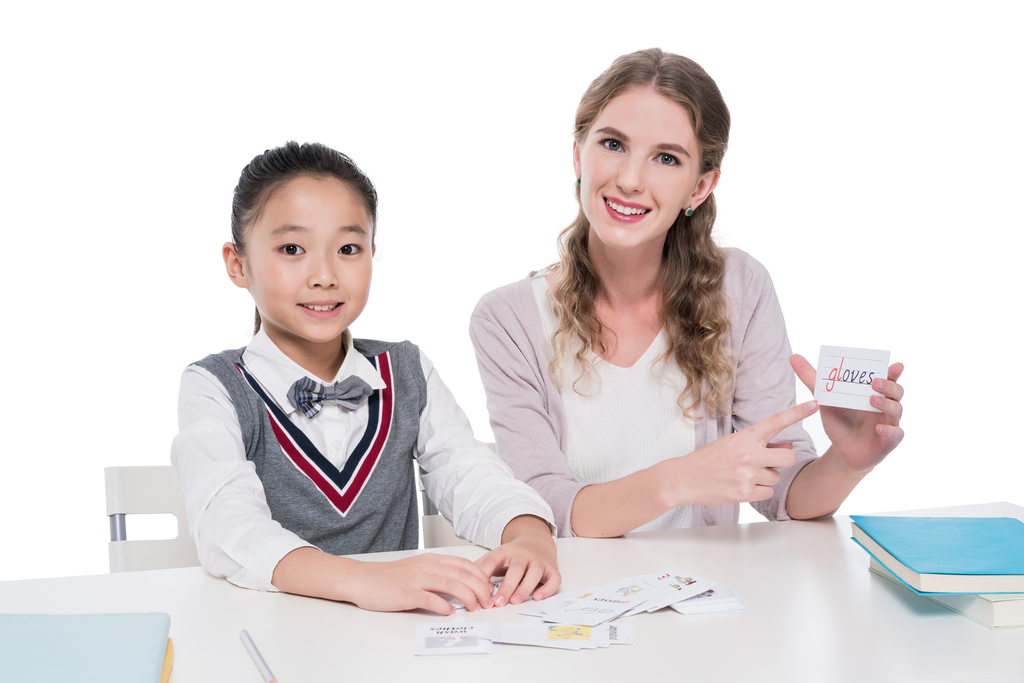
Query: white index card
(845,374)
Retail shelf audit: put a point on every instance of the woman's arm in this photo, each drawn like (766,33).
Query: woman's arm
(860,440)
(736,468)
(524,409)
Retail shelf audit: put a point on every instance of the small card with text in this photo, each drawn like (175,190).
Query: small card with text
(453,639)
(845,374)
(594,610)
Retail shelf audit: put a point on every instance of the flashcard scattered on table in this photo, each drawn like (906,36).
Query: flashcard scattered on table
(582,619)
(453,639)
(556,602)
(563,636)
(482,638)
(845,375)
(657,590)
(713,600)
(594,610)
(681,585)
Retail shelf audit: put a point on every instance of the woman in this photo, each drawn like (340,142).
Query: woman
(637,384)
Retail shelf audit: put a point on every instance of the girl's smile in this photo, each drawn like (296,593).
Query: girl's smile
(322,309)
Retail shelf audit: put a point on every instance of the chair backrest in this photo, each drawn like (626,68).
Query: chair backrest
(146,490)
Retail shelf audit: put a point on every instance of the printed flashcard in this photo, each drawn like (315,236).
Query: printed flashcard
(453,639)
(557,636)
(594,610)
(713,600)
(682,585)
(557,602)
(563,636)
(845,374)
(643,587)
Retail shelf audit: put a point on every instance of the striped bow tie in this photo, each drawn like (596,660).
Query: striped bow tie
(308,395)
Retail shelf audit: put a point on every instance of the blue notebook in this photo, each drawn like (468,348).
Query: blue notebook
(84,648)
(950,545)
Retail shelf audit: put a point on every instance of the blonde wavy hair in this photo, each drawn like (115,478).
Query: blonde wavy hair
(693,307)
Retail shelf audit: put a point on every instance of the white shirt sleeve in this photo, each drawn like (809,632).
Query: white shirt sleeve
(469,484)
(228,515)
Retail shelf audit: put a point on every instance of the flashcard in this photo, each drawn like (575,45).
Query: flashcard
(453,639)
(845,374)
(682,584)
(558,636)
(557,602)
(594,610)
(645,587)
(563,636)
(713,600)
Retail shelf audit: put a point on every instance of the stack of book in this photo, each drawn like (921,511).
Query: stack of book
(86,648)
(971,565)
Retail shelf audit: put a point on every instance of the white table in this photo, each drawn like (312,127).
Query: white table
(817,614)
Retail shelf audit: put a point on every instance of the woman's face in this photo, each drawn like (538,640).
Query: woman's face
(639,166)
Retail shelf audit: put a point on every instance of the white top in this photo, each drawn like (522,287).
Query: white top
(228,516)
(622,420)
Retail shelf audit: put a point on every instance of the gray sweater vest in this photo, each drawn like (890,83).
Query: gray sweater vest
(367,506)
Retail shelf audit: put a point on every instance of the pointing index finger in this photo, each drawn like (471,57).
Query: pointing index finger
(766,430)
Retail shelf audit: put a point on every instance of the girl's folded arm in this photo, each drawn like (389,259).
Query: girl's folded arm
(230,521)
(410,583)
(228,516)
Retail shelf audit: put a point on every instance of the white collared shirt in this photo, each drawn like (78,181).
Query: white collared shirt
(228,515)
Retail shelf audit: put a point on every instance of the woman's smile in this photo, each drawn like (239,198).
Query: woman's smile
(625,211)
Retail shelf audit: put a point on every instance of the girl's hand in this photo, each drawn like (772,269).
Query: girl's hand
(736,468)
(862,439)
(527,558)
(413,583)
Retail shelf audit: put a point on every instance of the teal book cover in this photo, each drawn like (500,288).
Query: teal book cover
(85,648)
(950,545)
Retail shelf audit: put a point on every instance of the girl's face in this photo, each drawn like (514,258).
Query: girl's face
(639,166)
(307,264)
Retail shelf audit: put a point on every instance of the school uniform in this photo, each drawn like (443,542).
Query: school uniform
(261,478)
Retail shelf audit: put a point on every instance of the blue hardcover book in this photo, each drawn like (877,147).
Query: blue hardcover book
(85,648)
(947,554)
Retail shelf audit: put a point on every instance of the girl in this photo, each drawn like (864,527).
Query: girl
(300,447)
(648,342)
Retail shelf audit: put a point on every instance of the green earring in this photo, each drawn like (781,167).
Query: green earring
(688,212)
(579,181)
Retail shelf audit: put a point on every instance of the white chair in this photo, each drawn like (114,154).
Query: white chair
(140,491)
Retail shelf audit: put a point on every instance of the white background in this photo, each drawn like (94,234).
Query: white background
(874,168)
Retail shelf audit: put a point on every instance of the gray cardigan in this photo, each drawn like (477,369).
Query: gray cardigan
(529,421)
